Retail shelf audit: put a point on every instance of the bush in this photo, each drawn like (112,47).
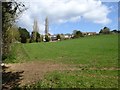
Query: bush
(78,34)
(58,37)
(41,38)
(24,35)
(11,56)
(47,39)
(35,37)
(23,39)
(105,30)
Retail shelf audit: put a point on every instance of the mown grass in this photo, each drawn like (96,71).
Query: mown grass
(94,51)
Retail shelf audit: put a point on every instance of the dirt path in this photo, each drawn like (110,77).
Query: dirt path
(34,71)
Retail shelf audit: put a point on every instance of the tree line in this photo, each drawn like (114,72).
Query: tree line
(26,37)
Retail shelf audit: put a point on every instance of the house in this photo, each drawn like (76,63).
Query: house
(89,33)
(53,37)
(67,36)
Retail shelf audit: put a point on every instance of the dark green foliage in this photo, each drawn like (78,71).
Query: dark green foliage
(41,38)
(10,11)
(58,37)
(35,37)
(47,39)
(78,34)
(105,30)
(24,34)
(115,31)
(23,38)
(32,38)
(100,31)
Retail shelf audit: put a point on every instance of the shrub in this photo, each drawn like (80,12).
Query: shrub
(23,39)
(78,34)
(105,30)
(58,37)
(47,39)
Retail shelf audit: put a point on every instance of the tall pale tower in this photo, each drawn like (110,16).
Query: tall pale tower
(46,26)
(35,26)
(35,29)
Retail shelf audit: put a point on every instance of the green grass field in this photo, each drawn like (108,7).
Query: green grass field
(94,51)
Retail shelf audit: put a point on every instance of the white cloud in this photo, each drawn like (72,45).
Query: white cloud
(98,16)
(110,0)
(62,11)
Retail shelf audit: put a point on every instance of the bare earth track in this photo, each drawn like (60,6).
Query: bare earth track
(34,71)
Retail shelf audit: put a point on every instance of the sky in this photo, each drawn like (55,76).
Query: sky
(68,15)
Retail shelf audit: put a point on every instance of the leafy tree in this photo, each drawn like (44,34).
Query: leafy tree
(100,31)
(23,38)
(41,38)
(74,32)
(47,39)
(10,12)
(105,30)
(24,35)
(78,34)
(62,36)
(35,37)
(115,31)
(58,36)
(14,34)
